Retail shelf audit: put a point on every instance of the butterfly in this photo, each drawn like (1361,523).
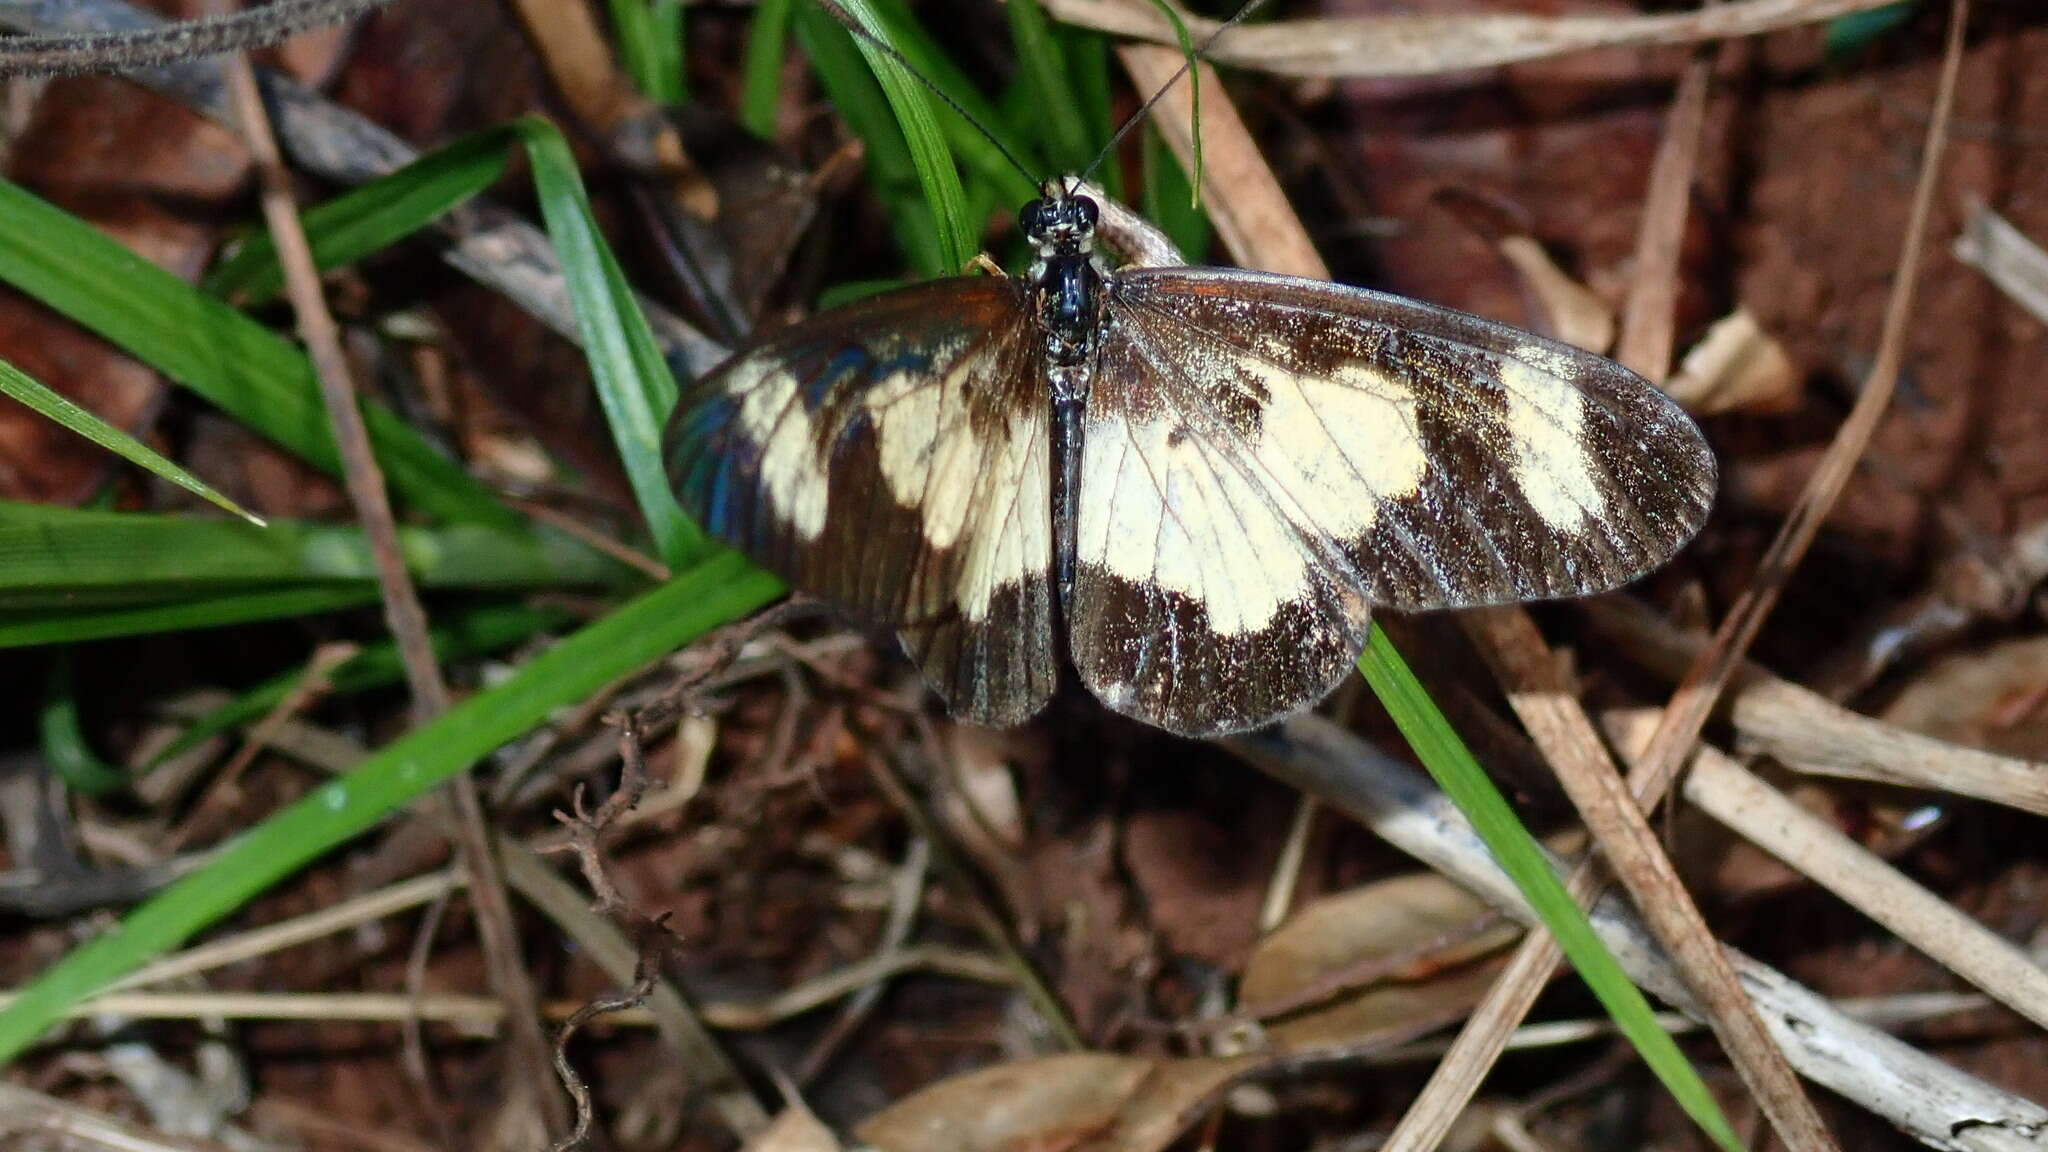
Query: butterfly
(1192,485)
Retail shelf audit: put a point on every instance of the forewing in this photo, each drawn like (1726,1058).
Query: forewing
(1352,449)
(891,457)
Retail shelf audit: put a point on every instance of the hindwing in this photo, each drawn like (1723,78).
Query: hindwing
(1264,457)
(892,457)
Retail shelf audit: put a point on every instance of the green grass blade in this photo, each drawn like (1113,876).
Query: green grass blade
(716,591)
(650,36)
(1194,80)
(1088,64)
(761,74)
(225,357)
(671,78)
(969,135)
(66,751)
(633,381)
(1044,74)
(1445,756)
(853,90)
(1850,34)
(477,632)
(957,232)
(58,557)
(34,627)
(1170,202)
(41,400)
(371,218)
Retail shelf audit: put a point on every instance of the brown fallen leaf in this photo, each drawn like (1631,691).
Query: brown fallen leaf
(1379,963)
(795,1130)
(1069,1103)
(1578,316)
(1995,699)
(1736,367)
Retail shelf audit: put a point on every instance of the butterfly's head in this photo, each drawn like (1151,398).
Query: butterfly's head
(1059,223)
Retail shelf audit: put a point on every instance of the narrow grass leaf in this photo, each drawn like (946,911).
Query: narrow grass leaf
(650,46)
(1445,756)
(45,402)
(66,751)
(718,590)
(227,358)
(669,82)
(459,636)
(1850,34)
(34,627)
(371,218)
(1088,64)
(1194,78)
(58,557)
(1170,202)
(852,89)
(761,74)
(1044,75)
(957,233)
(966,116)
(633,381)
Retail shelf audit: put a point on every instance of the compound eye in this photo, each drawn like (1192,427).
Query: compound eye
(1088,212)
(1032,218)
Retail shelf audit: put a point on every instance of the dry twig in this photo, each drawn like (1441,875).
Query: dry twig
(403,612)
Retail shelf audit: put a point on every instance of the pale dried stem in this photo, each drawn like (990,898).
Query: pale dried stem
(1651,310)
(1807,732)
(1381,46)
(1818,850)
(403,612)
(753,1015)
(183,40)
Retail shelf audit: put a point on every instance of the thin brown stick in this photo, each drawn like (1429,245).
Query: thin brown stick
(1537,690)
(1651,311)
(1694,699)
(402,610)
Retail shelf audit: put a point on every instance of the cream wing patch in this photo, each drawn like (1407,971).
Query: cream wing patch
(1011,539)
(1334,448)
(1227,523)
(1546,420)
(1160,506)
(773,417)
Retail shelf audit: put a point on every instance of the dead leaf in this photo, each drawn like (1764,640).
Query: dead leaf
(1995,699)
(1737,367)
(1067,1103)
(796,1130)
(1408,940)
(1578,316)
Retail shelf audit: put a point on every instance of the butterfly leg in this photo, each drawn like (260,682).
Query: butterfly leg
(985,263)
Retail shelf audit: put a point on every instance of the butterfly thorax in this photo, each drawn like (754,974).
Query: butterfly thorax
(1066,282)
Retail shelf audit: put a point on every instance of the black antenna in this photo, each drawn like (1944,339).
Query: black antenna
(854,26)
(170,43)
(1145,109)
